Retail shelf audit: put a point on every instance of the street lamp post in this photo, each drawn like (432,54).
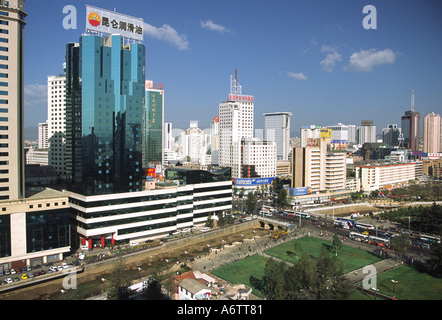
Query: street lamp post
(375,292)
(394,288)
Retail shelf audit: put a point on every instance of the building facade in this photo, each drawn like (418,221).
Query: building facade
(34,230)
(259,157)
(235,123)
(12,158)
(374,177)
(432,133)
(57,123)
(410,125)
(187,199)
(104,115)
(277,128)
(43,142)
(318,168)
(154,123)
(366,132)
(391,135)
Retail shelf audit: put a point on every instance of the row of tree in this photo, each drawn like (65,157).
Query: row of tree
(311,278)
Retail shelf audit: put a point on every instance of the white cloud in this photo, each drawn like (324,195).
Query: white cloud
(35,95)
(209,24)
(331,59)
(366,60)
(168,34)
(297,76)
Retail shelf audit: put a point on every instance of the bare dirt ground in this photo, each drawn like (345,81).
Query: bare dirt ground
(45,290)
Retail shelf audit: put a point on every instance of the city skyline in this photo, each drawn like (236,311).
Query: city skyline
(306,57)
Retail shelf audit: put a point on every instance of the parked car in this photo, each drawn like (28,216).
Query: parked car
(24,276)
(13,271)
(8,280)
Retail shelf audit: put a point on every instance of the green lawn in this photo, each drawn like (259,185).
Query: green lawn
(412,284)
(352,258)
(239,272)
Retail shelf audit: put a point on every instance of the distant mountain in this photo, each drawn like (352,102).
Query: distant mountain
(31,133)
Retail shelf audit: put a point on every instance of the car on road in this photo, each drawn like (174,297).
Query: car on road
(13,271)
(8,280)
(53,269)
(24,276)
(205,229)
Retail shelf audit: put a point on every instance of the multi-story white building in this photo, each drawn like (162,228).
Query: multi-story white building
(374,177)
(37,156)
(187,199)
(366,132)
(235,123)
(43,142)
(259,154)
(57,122)
(277,128)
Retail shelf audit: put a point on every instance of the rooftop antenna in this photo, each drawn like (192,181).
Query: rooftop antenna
(235,87)
(412,100)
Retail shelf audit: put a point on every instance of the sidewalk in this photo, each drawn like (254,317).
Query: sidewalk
(381,266)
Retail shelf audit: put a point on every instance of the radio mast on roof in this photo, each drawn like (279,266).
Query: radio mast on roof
(412,100)
(235,87)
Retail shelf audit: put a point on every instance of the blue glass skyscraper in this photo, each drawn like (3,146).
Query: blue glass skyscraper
(104,115)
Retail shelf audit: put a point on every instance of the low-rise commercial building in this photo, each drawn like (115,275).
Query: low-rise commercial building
(186,198)
(375,176)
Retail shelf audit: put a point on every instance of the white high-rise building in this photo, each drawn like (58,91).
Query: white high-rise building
(57,122)
(277,128)
(43,142)
(366,132)
(235,123)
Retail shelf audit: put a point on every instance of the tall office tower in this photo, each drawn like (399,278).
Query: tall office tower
(105,87)
(391,134)
(12,158)
(235,123)
(432,133)
(154,123)
(57,122)
(366,132)
(410,127)
(43,142)
(277,128)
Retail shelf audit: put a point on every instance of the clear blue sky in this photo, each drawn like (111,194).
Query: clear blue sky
(310,57)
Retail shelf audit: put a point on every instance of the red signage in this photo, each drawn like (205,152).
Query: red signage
(240,97)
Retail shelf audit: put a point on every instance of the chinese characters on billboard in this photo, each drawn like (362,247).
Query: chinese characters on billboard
(110,22)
